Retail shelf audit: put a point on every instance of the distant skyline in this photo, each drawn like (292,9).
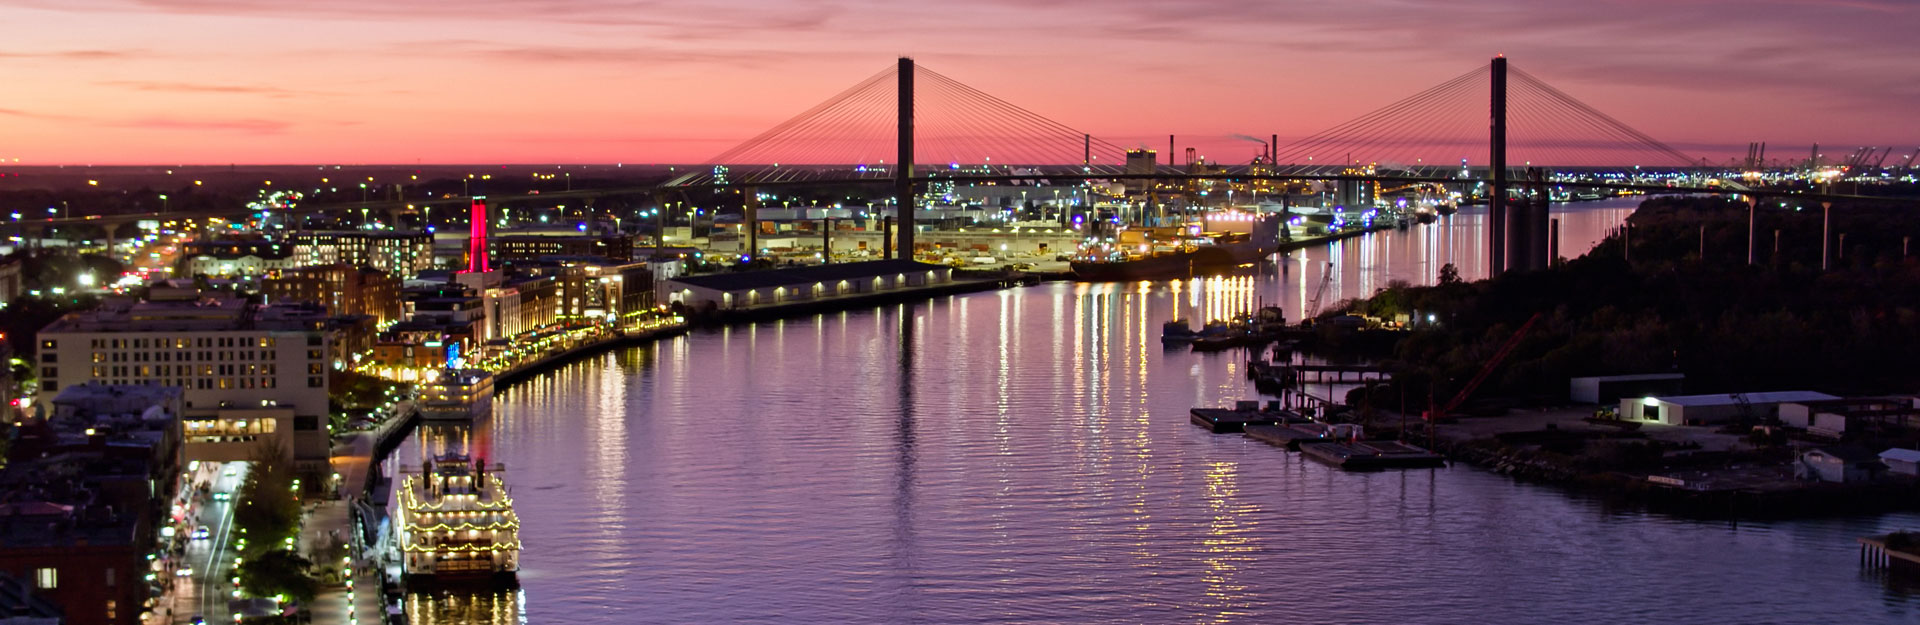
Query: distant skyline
(646,81)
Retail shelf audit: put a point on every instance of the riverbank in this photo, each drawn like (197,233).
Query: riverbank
(982,281)
(1689,471)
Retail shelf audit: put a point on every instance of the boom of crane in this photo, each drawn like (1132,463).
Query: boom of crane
(1505,348)
(1313,305)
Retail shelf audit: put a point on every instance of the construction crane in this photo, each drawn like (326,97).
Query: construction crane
(1505,348)
(1313,305)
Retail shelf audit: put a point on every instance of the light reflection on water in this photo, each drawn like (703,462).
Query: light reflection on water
(1025,456)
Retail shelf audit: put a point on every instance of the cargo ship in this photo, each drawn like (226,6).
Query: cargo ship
(1193,254)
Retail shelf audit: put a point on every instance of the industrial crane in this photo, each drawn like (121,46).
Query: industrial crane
(1313,305)
(1505,348)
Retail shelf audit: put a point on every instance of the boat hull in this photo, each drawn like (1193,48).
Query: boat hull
(1203,261)
(417,582)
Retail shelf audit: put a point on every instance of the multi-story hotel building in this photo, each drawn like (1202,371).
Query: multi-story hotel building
(245,370)
(344,289)
(400,254)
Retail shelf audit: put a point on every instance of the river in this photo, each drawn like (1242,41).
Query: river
(1024,456)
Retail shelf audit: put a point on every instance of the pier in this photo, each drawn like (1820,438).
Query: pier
(1339,374)
(1889,553)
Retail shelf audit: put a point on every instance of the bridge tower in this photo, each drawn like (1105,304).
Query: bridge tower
(903,167)
(1497,193)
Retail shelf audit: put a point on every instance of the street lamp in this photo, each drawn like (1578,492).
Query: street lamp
(163,202)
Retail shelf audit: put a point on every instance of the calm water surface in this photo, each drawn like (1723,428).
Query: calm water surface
(1024,456)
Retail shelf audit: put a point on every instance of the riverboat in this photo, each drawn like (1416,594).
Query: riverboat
(456,525)
(457,395)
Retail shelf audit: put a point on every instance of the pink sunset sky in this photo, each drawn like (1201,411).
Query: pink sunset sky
(646,81)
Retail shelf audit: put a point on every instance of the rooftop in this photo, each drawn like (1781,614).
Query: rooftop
(1901,454)
(1729,399)
(1637,377)
(208,313)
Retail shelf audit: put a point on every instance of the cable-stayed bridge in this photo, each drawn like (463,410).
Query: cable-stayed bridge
(1496,133)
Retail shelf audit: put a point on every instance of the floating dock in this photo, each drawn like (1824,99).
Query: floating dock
(1365,455)
(1243,414)
(1289,436)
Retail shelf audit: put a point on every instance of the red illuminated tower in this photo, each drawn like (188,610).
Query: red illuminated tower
(477,237)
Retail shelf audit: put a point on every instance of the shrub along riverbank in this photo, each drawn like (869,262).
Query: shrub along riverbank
(1777,325)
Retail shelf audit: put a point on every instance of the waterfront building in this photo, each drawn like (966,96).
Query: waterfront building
(595,287)
(343,289)
(224,353)
(1901,461)
(1608,389)
(413,351)
(1711,409)
(401,254)
(1836,418)
(1842,464)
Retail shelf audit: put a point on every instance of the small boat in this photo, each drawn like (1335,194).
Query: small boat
(1177,332)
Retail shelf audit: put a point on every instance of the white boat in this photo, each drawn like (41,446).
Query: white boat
(456,524)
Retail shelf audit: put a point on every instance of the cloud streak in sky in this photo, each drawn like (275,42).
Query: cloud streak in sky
(456,75)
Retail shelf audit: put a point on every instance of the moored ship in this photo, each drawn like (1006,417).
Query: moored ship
(456,525)
(457,395)
(1191,255)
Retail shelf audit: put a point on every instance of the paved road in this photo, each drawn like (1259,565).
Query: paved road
(207,591)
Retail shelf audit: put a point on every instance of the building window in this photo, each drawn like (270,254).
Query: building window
(49,386)
(109,580)
(312,382)
(113,611)
(49,357)
(46,578)
(49,345)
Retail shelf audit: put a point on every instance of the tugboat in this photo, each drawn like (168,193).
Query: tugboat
(456,525)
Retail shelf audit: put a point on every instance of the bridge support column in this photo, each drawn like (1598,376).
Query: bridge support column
(903,168)
(751,209)
(1541,246)
(1497,170)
